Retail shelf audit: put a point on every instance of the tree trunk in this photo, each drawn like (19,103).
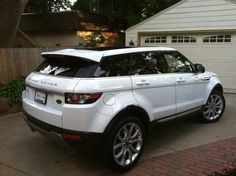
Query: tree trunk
(10,15)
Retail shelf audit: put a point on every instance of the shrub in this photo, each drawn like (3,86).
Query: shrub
(12,91)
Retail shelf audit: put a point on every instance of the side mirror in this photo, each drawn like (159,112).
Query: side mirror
(199,68)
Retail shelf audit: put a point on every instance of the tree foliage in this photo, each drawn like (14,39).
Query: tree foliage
(136,10)
(83,5)
(151,7)
(133,11)
(12,91)
(45,6)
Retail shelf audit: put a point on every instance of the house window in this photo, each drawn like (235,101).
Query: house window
(183,39)
(155,39)
(217,39)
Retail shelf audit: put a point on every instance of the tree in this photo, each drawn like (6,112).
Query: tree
(45,6)
(10,12)
(151,7)
(133,11)
(83,5)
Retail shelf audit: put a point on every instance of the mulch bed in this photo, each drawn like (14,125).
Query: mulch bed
(6,107)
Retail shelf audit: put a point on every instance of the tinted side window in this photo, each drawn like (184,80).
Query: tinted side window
(177,63)
(114,66)
(148,63)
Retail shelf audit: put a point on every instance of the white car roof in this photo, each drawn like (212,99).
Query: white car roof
(96,56)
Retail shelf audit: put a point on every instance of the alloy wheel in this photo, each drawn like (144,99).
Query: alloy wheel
(127,144)
(214,107)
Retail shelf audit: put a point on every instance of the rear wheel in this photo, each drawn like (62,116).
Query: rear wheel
(125,143)
(214,108)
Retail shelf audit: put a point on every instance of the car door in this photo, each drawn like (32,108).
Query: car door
(152,87)
(190,90)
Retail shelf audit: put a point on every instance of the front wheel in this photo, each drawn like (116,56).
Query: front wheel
(214,108)
(125,144)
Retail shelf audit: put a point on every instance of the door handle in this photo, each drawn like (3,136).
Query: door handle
(205,78)
(180,80)
(143,83)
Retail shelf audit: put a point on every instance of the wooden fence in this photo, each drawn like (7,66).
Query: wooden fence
(19,62)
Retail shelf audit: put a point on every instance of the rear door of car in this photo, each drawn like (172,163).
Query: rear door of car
(152,87)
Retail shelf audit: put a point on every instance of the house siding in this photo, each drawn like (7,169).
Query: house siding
(189,15)
(55,38)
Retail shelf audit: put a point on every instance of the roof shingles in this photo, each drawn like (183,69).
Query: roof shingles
(69,20)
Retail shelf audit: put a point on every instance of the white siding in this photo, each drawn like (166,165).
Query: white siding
(132,35)
(192,15)
(189,15)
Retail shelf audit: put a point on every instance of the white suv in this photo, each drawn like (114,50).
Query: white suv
(112,95)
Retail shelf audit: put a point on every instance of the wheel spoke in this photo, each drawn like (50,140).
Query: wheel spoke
(123,132)
(215,112)
(117,146)
(135,141)
(135,135)
(207,111)
(123,158)
(133,149)
(131,129)
(121,153)
(130,154)
(218,106)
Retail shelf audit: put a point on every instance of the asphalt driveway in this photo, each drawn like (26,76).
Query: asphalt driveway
(25,153)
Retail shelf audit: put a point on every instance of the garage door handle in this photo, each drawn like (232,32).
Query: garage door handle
(143,83)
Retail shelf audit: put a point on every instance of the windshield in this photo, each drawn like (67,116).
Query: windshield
(67,66)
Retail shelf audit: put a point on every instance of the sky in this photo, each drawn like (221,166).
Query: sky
(72,1)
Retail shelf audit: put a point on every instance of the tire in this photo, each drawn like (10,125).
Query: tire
(125,143)
(213,110)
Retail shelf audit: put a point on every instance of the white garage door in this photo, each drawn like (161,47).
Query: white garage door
(216,52)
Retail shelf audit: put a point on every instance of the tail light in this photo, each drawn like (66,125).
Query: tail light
(70,136)
(76,98)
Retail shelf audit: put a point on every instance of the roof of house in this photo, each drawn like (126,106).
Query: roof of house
(192,15)
(97,54)
(23,40)
(70,20)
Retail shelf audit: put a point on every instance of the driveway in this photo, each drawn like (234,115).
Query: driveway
(24,153)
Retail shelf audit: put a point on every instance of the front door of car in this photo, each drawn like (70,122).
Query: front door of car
(190,90)
(153,89)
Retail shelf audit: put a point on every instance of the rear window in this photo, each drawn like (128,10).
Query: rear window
(67,66)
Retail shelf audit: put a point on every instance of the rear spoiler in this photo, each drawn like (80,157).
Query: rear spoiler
(87,55)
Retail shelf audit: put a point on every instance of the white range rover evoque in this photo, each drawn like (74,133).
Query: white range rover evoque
(109,97)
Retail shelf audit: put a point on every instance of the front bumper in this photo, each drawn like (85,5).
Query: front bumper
(56,134)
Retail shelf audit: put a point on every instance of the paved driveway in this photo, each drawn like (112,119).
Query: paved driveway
(25,153)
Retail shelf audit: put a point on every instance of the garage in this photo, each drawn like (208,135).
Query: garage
(203,30)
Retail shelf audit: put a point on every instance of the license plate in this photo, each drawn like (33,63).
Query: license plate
(40,97)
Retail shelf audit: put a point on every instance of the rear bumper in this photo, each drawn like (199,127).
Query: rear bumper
(57,134)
